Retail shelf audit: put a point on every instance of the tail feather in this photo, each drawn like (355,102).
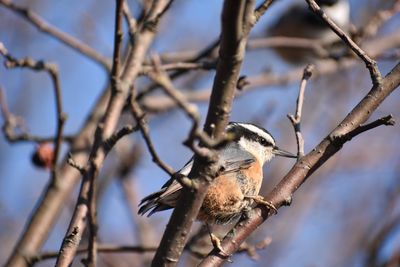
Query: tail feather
(152,206)
(153,203)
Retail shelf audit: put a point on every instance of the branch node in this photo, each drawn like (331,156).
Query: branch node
(75,165)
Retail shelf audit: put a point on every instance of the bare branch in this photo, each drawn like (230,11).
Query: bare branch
(119,96)
(160,77)
(51,69)
(387,120)
(102,248)
(262,8)
(282,193)
(180,66)
(237,19)
(371,65)
(108,144)
(295,120)
(376,21)
(63,37)
(144,130)
(375,47)
(130,20)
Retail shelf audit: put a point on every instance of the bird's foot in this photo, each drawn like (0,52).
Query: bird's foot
(217,245)
(261,200)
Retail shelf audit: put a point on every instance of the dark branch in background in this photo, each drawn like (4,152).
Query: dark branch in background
(119,96)
(192,59)
(51,69)
(54,195)
(282,193)
(375,47)
(144,130)
(50,205)
(251,250)
(369,62)
(376,22)
(163,80)
(13,122)
(377,241)
(180,66)
(109,143)
(63,37)
(296,119)
(237,19)
(102,248)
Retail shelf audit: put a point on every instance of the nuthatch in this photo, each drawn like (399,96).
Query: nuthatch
(237,186)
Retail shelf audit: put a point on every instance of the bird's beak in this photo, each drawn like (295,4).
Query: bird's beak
(280,152)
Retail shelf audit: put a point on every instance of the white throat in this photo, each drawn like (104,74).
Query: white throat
(261,153)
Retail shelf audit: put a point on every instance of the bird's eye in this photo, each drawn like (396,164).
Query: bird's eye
(263,141)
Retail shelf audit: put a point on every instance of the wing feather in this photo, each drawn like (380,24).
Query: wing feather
(232,158)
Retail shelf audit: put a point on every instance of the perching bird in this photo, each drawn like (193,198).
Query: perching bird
(237,187)
(300,22)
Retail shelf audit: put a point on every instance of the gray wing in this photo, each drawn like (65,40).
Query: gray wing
(232,159)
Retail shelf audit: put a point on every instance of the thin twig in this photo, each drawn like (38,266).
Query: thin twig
(130,21)
(262,8)
(112,140)
(387,120)
(144,130)
(102,248)
(296,119)
(193,59)
(163,80)
(51,69)
(371,65)
(206,65)
(13,122)
(51,30)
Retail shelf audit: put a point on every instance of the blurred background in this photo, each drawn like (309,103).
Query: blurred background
(346,214)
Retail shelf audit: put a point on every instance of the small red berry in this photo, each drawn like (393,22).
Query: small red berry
(43,156)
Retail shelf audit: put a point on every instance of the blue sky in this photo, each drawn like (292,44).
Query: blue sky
(190,24)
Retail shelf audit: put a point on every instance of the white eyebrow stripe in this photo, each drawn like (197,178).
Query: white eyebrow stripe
(258,131)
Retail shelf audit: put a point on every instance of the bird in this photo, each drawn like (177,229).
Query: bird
(236,187)
(300,22)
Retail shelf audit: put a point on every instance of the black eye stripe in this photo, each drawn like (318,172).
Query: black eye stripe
(264,141)
(240,131)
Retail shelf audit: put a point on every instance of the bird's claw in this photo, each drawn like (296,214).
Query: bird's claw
(261,200)
(217,245)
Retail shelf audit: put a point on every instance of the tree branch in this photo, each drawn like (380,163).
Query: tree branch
(63,37)
(51,69)
(282,193)
(295,120)
(144,130)
(371,65)
(102,248)
(119,96)
(237,19)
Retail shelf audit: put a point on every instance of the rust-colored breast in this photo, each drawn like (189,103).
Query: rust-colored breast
(225,198)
